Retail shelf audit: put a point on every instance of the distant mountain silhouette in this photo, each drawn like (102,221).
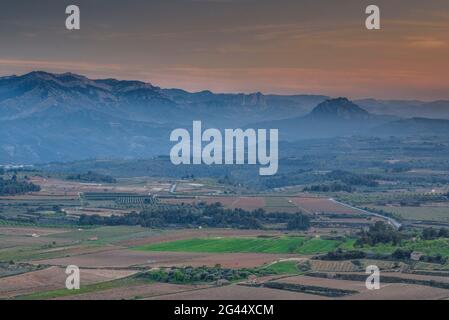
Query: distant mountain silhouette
(62,117)
(37,92)
(339,109)
(333,117)
(342,117)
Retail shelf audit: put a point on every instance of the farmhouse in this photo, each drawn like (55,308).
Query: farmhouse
(221,282)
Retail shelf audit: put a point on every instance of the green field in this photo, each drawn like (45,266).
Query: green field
(428,247)
(440,214)
(287,245)
(300,245)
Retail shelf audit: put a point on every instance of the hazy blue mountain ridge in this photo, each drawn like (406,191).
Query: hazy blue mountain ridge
(64,117)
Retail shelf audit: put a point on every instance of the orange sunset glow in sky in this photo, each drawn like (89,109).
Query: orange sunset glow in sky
(286,47)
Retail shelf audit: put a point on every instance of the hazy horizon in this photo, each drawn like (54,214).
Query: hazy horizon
(226,92)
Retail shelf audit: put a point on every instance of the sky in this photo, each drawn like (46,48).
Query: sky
(271,46)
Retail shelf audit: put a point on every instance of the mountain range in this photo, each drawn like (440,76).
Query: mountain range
(61,117)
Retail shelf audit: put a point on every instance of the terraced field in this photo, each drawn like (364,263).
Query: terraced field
(333,266)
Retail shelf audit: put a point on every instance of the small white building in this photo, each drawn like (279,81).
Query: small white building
(416,255)
(222,282)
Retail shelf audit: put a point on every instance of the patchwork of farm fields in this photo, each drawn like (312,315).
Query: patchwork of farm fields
(109,264)
(300,245)
(274,263)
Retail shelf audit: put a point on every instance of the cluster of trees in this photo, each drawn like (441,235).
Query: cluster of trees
(334,181)
(404,254)
(401,254)
(380,232)
(199,275)
(438,258)
(202,215)
(340,255)
(13,186)
(91,177)
(333,187)
(432,234)
(295,177)
(353,179)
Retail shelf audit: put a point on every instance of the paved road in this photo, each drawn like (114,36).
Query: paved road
(391,221)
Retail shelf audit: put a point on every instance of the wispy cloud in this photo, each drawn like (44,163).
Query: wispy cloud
(427,43)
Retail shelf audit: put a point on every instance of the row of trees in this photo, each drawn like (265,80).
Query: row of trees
(333,187)
(404,254)
(353,179)
(91,177)
(213,216)
(203,274)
